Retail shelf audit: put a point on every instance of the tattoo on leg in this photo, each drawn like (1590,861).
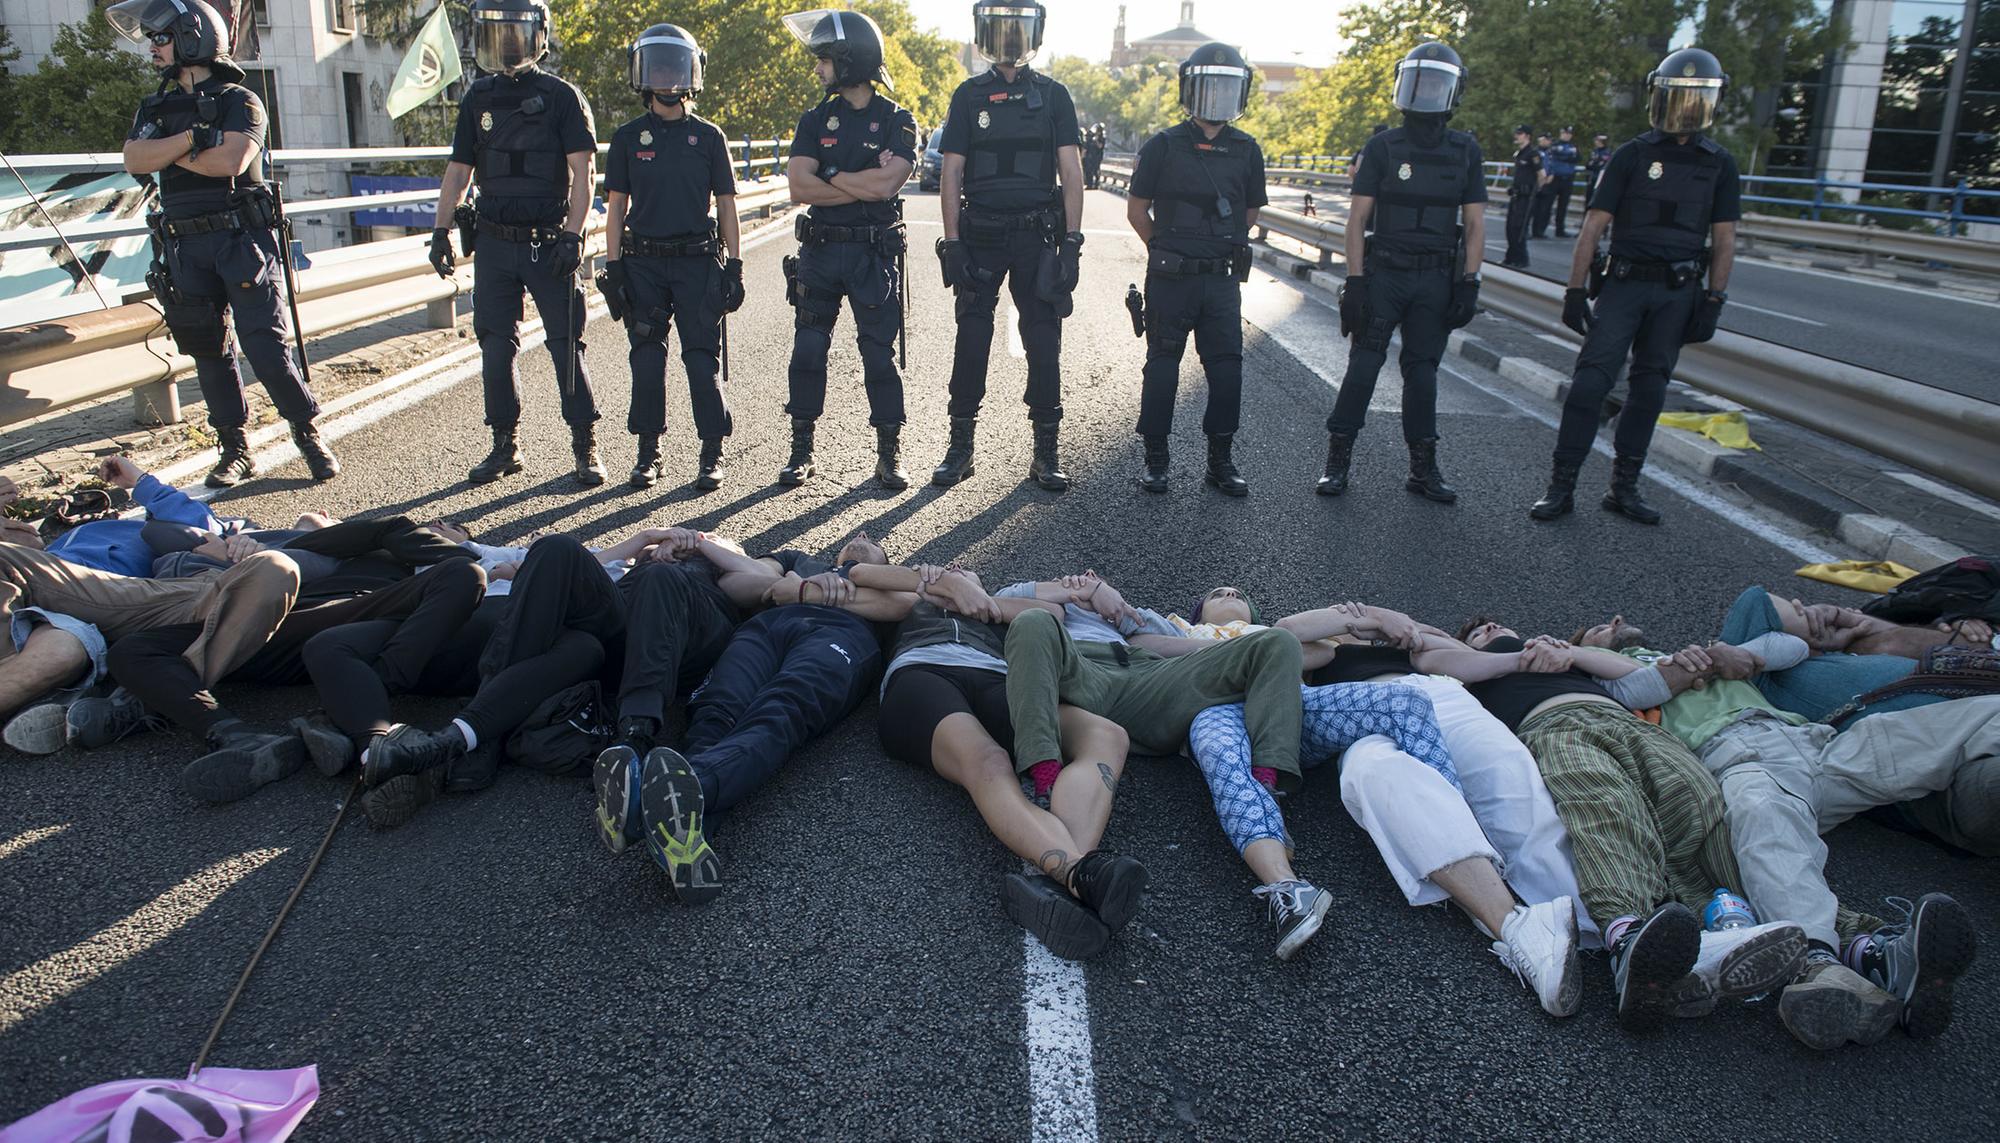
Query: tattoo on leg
(1055,863)
(1110,779)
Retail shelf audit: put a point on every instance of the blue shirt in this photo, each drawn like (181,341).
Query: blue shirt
(115,546)
(1822,684)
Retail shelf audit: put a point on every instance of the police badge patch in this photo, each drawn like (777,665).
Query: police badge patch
(693,142)
(833,122)
(645,138)
(1656,170)
(486,121)
(1403,172)
(985,118)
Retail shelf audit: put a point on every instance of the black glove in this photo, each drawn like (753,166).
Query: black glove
(1069,262)
(1353,305)
(567,255)
(616,287)
(1464,303)
(202,138)
(1576,310)
(955,260)
(1702,322)
(441,257)
(732,285)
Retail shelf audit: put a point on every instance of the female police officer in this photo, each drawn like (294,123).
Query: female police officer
(661,257)
(204,136)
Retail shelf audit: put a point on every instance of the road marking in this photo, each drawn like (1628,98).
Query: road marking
(1945,492)
(21,841)
(1060,1069)
(1877,283)
(1777,314)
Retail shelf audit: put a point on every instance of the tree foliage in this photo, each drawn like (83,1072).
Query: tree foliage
(80,98)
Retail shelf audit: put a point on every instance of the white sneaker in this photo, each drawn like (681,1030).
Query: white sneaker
(1539,943)
(1751,960)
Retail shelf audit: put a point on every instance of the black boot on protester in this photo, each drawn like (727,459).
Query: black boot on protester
(504,460)
(646,468)
(1065,926)
(957,462)
(1044,470)
(888,458)
(583,446)
(1425,479)
(1157,475)
(1624,496)
(399,799)
(241,760)
(1560,499)
(1222,472)
(708,478)
(319,458)
(1339,455)
(328,746)
(1111,884)
(410,749)
(799,468)
(232,463)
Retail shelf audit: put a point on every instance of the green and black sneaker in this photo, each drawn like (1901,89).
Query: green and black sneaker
(672,806)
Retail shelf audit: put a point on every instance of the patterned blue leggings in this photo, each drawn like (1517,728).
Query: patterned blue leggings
(1336,717)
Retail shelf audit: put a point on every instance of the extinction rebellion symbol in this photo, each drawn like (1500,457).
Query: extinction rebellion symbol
(429,67)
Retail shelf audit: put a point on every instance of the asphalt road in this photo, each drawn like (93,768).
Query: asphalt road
(489,972)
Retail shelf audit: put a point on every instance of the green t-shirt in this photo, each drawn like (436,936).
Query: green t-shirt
(1693,716)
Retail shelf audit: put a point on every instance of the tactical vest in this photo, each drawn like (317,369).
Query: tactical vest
(520,153)
(1670,195)
(1013,140)
(183,193)
(1191,181)
(1423,188)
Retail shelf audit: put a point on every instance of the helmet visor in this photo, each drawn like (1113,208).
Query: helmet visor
(1684,106)
(1215,92)
(818,29)
(132,18)
(665,63)
(1428,87)
(503,41)
(1006,35)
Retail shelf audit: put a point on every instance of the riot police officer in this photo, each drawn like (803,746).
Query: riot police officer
(1562,176)
(850,157)
(1195,193)
(1671,197)
(218,253)
(662,246)
(1521,187)
(1416,234)
(1094,142)
(1010,134)
(529,140)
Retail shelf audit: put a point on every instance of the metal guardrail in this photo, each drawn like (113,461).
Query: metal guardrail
(1943,433)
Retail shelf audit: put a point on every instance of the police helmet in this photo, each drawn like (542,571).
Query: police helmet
(665,62)
(1008,32)
(508,35)
(199,34)
(850,39)
(1430,80)
(1682,92)
(1215,83)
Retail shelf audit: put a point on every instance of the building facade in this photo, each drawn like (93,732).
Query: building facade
(1176,43)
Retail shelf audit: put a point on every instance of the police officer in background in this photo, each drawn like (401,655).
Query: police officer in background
(661,259)
(529,139)
(1416,234)
(1600,158)
(1527,178)
(1562,176)
(203,135)
(1671,198)
(1010,135)
(850,157)
(1094,142)
(1196,189)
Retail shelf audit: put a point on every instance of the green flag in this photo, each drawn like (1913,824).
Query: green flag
(428,68)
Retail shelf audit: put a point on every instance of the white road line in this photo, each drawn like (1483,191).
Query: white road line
(1060,1069)
(1944,492)
(1864,280)
(1776,314)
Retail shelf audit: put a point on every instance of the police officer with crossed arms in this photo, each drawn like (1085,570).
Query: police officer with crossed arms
(1671,198)
(202,133)
(528,140)
(661,264)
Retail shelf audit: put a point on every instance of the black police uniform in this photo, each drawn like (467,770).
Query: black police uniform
(516,133)
(1663,196)
(1520,203)
(1009,134)
(1194,263)
(1600,158)
(850,250)
(1093,158)
(1413,258)
(1562,164)
(670,168)
(223,259)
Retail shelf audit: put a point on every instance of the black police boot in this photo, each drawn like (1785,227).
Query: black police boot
(1425,479)
(583,445)
(1624,495)
(1339,454)
(318,457)
(646,469)
(957,462)
(241,760)
(709,478)
(1222,472)
(799,468)
(1154,478)
(1044,469)
(504,460)
(410,750)
(1559,500)
(232,464)
(888,451)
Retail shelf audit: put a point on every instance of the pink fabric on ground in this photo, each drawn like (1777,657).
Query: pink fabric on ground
(1045,775)
(218,1105)
(1268,775)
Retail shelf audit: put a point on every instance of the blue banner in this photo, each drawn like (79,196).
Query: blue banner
(420,215)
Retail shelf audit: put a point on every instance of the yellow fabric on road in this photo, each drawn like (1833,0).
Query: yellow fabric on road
(1729,430)
(1878,576)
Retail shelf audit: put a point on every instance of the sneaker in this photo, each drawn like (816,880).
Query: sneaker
(1751,960)
(1830,1004)
(1539,943)
(1109,883)
(619,822)
(327,746)
(409,749)
(241,761)
(672,808)
(42,727)
(1650,966)
(1919,959)
(1065,926)
(1296,909)
(397,800)
(96,722)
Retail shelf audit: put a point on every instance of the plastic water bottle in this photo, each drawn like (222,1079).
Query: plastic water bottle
(1726,910)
